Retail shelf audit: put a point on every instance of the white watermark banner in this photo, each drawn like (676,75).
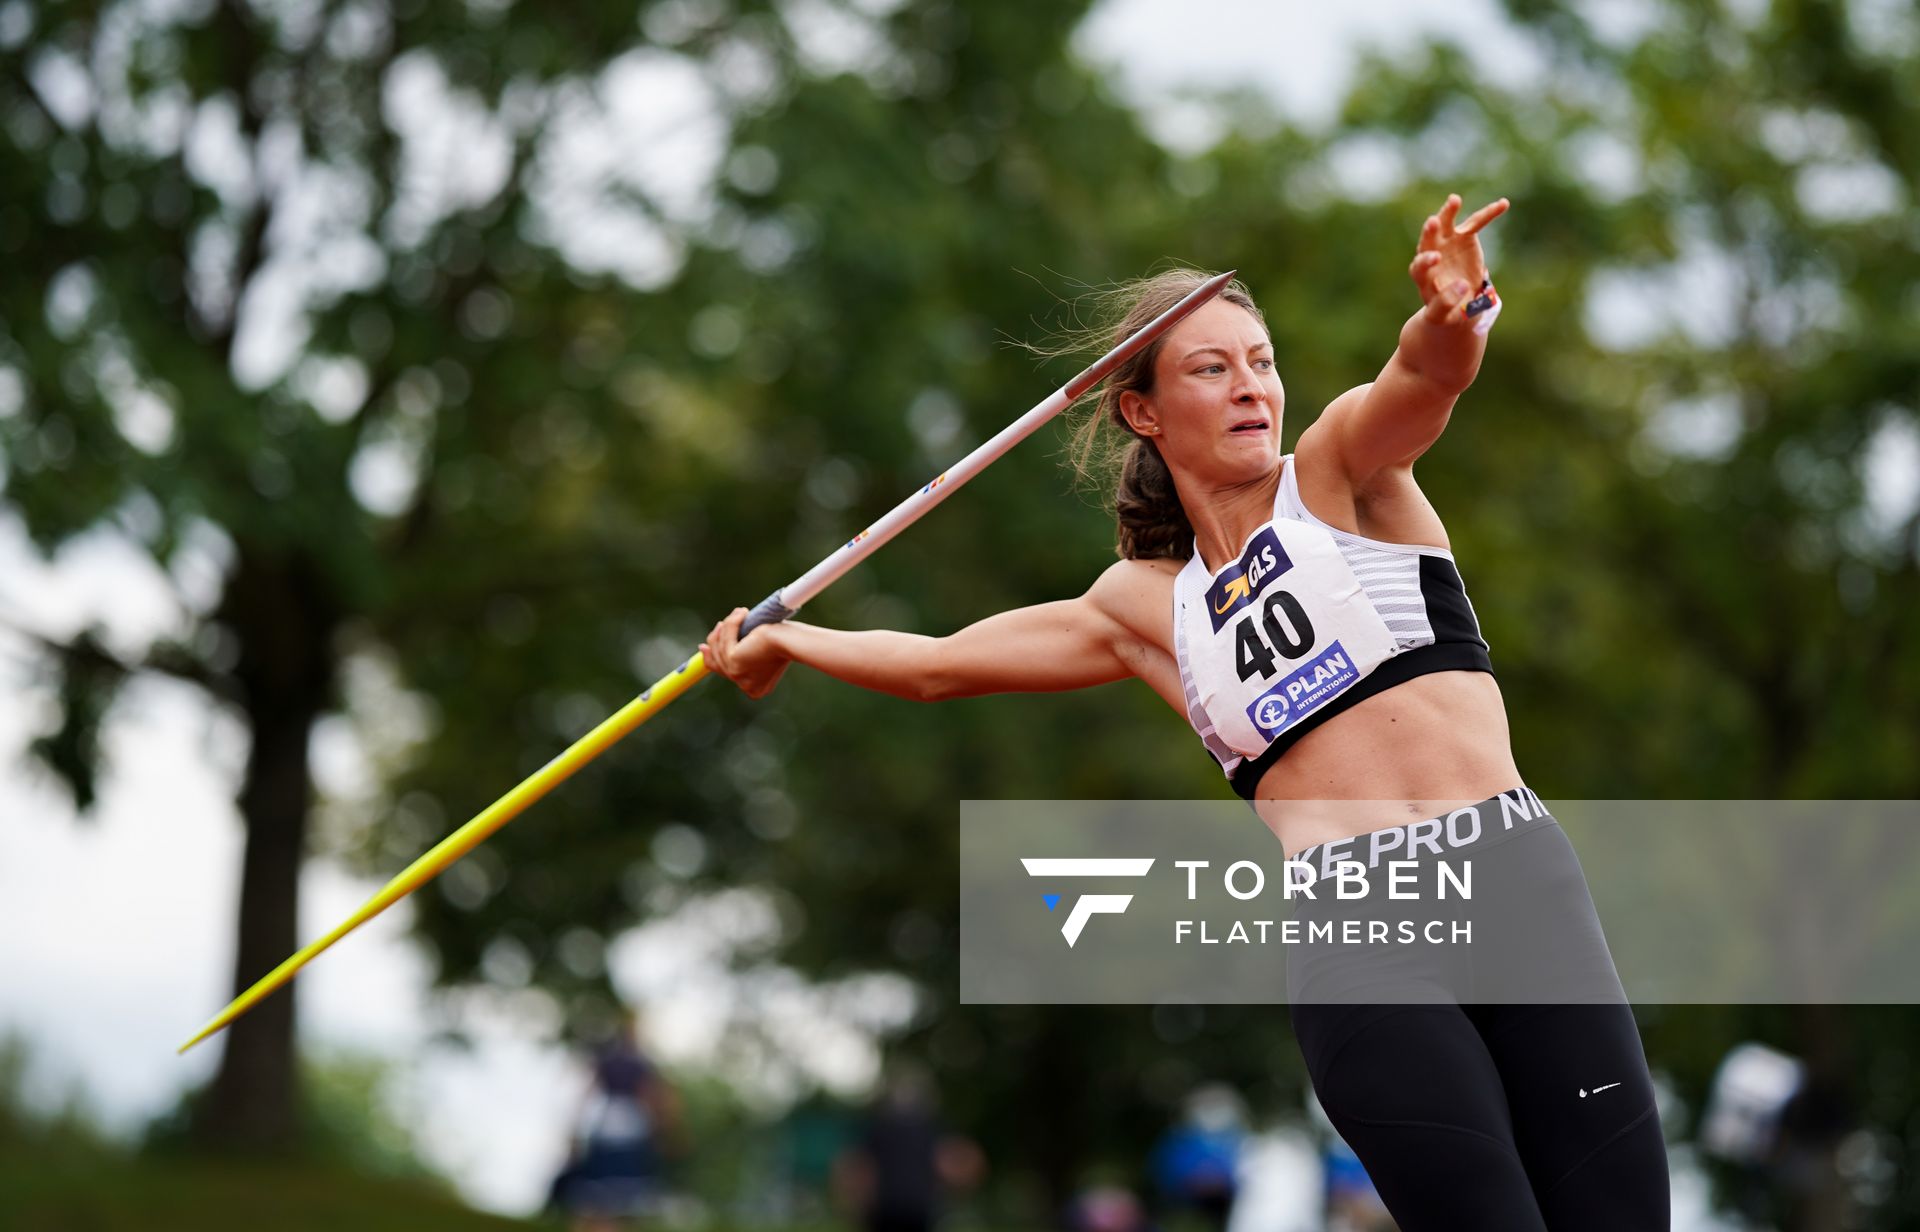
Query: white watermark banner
(1499,901)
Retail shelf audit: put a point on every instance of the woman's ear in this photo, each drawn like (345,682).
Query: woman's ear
(1138,413)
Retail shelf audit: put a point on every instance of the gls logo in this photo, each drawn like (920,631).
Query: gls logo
(1241,582)
(1088,905)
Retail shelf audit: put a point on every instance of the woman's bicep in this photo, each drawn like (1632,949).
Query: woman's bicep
(1067,644)
(1389,422)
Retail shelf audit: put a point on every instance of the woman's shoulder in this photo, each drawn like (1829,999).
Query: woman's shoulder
(1139,595)
(1154,574)
(1386,505)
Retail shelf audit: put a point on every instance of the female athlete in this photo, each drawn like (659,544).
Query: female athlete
(1304,613)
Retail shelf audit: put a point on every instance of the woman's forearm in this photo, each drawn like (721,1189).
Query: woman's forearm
(879,659)
(1446,353)
(1043,648)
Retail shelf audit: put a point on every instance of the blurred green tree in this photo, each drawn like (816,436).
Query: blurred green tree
(1700,411)
(325,301)
(902,218)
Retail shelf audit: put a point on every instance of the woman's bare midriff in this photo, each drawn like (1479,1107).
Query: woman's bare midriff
(1417,750)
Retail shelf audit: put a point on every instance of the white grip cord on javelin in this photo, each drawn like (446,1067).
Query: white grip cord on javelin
(789,599)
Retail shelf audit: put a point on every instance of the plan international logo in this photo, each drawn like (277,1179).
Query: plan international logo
(1087,905)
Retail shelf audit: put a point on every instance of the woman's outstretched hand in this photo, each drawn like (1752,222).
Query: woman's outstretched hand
(1449,266)
(755,664)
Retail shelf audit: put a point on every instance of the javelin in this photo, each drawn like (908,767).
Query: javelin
(777,606)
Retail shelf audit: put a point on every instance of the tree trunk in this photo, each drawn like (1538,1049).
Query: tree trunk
(284,621)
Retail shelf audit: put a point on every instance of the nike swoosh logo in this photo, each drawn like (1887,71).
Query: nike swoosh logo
(1608,1087)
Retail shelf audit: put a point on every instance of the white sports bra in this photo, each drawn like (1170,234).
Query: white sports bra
(1307,621)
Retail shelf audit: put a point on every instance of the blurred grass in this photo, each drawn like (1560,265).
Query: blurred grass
(61,1172)
(50,1187)
(58,1188)
(61,1184)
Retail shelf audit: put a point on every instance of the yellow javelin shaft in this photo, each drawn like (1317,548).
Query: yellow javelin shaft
(475,832)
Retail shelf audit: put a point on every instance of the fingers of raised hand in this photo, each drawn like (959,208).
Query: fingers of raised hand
(1449,212)
(1430,234)
(1484,215)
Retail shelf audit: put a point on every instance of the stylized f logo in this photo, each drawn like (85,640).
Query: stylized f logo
(1088,905)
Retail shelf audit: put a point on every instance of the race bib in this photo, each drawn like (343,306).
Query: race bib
(1290,630)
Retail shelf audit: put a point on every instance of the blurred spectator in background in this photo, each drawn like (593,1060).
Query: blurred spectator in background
(1196,1162)
(895,1176)
(627,1124)
(1106,1208)
(1751,1089)
(1781,1128)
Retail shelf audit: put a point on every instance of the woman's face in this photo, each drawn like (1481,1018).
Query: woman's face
(1216,401)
